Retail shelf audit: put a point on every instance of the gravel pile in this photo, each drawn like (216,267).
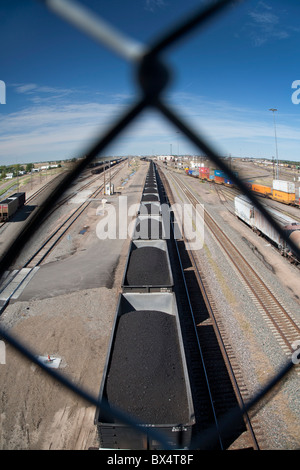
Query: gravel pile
(148,266)
(145,377)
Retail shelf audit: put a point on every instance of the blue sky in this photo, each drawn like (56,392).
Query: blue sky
(63,88)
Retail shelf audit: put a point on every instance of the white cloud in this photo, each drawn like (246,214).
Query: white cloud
(63,130)
(267,24)
(151,5)
(29,87)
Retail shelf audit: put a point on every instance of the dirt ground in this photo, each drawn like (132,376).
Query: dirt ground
(38,413)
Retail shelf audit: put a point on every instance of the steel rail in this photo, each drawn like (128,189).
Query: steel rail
(218,333)
(246,272)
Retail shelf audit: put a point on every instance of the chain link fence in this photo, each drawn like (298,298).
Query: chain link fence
(152,77)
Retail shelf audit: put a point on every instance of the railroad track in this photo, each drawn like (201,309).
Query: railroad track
(39,256)
(211,359)
(14,281)
(39,191)
(281,321)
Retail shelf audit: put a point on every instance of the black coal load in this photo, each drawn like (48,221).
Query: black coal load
(149,209)
(150,197)
(145,376)
(148,228)
(148,266)
(150,189)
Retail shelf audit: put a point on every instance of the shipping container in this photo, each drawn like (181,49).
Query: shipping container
(204,173)
(286,198)
(148,267)
(204,176)
(146,376)
(260,189)
(219,173)
(219,179)
(204,169)
(228,182)
(284,186)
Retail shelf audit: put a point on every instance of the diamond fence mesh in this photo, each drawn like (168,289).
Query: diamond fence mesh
(152,77)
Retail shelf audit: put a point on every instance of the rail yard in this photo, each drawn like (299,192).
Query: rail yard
(218,320)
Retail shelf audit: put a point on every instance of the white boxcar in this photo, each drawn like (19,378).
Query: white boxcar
(246,211)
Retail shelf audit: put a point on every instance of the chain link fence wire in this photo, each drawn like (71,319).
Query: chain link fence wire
(152,78)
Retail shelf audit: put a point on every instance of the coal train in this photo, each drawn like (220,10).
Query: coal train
(99,166)
(145,372)
(248,213)
(10,205)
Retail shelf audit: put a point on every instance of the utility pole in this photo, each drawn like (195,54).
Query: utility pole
(277,170)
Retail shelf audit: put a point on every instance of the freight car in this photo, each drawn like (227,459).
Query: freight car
(282,191)
(146,374)
(99,167)
(10,205)
(148,267)
(248,213)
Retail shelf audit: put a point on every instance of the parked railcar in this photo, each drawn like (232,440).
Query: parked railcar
(10,205)
(148,267)
(261,190)
(21,198)
(146,374)
(282,191)
(248,213)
